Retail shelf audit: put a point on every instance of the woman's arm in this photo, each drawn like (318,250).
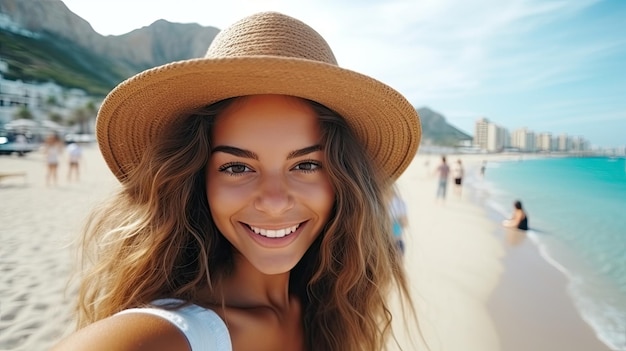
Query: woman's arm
(518,215)
(126,332)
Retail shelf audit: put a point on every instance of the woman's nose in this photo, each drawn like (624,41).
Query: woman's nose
(274,197)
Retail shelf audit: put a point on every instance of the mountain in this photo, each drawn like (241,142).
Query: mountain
(44,40)
(437,131)
(45,58)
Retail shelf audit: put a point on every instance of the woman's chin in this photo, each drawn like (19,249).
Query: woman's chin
(276,265)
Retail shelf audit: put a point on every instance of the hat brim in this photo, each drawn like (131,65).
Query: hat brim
(142,107)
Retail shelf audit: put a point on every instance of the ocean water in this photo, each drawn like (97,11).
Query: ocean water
(577,214)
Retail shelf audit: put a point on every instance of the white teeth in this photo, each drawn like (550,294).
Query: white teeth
(275,233)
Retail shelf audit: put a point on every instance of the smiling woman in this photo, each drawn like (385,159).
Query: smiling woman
(252,210)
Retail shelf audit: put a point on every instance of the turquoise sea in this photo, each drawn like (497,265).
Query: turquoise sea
(577,212)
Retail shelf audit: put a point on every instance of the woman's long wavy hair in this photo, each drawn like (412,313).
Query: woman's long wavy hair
(155,238)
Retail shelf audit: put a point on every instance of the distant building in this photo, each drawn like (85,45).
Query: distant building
(544,142)
(564,143)
(40,99)
(490,137)
(524,140)
(496,138)
(579,144)
(481,133)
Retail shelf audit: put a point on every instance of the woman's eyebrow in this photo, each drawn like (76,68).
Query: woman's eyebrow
(305,151)
(249,154)
(235,151)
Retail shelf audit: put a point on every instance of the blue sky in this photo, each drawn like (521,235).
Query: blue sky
(554,66)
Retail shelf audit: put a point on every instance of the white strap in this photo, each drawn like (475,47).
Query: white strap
(203,328)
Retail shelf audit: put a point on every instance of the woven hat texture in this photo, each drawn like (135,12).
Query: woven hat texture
(266,53)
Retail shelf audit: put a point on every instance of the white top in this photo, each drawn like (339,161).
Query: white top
(397,207)
(52,153)
(203,328)
(75,152)
(457,171)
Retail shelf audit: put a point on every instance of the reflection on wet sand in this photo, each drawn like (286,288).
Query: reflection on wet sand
(515,236)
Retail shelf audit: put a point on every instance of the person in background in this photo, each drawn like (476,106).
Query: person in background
(251,213)
(399,218)
(52,149)
(75,154)
(483,167)
(519,218)
(21,144)
(458,173)
(443,173)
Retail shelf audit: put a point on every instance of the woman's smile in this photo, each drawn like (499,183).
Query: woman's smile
(274,233)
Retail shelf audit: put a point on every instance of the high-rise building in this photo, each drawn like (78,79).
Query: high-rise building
(481,133)
(564,143)
(524,140)
(544,142)
(496,138)
(490,136)
(579,144)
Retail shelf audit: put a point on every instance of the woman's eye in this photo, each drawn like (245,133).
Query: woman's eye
(235,168)
(308,166)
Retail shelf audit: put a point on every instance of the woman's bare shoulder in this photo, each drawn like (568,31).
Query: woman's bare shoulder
(126,332)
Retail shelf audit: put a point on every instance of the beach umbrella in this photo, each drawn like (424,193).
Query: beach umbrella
(21,123)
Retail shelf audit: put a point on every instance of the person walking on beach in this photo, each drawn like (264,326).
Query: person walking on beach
(75,153)
(483,167)
(252,213)
(52,149)
(519,218)
(443,172)
(458,173)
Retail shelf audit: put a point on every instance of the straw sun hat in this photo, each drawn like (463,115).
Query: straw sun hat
(266,53)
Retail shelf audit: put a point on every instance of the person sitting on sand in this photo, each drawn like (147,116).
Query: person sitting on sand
(519,219)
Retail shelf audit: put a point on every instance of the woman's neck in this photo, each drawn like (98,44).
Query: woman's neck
(247,287)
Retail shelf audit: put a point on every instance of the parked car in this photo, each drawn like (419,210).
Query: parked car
(13,143)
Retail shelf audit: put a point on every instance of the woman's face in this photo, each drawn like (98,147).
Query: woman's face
(267,186)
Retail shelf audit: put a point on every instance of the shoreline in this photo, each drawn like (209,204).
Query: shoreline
(532,297)
(522,313)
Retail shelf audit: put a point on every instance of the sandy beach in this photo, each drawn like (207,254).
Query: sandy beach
(39,225)
(477,286)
